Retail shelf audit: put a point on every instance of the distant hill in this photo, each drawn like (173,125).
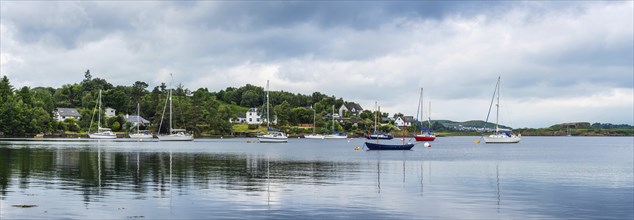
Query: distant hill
(467,125)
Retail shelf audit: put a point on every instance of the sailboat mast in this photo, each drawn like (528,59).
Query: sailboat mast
(99,113)
(422,117)
(138,114)
(268,120)
(497,108)
(170,103)
(314,119)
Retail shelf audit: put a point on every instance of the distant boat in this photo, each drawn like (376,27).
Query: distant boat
(501,135)
(335,134)
(271,136)
(377,135)
(175,134)
(102,133)
(425,133)
(377,146)
(138,134)
(314,135)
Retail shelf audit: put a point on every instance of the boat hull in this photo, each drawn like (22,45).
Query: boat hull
(102,136)
(375,146)
(424,138)
(141,136)
(334,136)
(314,136)
(272,140)
(501,139)
(176,137)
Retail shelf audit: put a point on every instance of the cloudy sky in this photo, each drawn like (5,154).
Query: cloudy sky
(559,61)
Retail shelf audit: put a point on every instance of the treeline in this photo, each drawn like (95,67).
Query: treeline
(27,111)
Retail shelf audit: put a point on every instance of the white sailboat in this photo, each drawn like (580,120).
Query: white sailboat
(175,134)
(102,133)
(271,136)
(314,135)
(335,135)
(501,135)
(138,134)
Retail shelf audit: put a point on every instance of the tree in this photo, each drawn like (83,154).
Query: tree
(282,111)
(138,90)
(6,90)
(250,99)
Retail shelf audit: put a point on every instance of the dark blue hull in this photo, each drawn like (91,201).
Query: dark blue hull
(374,146)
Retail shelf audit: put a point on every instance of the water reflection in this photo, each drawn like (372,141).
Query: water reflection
(97,171)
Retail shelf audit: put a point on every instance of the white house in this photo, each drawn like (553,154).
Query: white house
(404,121)
(62,114)
(110,112)
(353,108)
(252,117)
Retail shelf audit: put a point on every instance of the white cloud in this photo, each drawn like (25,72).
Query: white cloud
(552,56)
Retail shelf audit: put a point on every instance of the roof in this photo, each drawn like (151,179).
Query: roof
(242,116)
(408,118)
(133,119)
(352,105)
(68,112)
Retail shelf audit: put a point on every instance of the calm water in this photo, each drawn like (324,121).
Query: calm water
(541,177)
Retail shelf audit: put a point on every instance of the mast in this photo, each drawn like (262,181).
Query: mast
(138,114)
(314,118)
(420,102)
(268,120)
(497,109)
(170,103)
(99,113)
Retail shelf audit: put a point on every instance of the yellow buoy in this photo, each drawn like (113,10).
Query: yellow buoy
(476,141)
(357,148)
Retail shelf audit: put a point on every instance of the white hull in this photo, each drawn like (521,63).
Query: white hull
(334,136)
(273,138)
(500,138)
(141,136)
(314,136)
(105,135)
(176,137)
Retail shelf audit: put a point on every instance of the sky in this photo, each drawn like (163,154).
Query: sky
(559,61)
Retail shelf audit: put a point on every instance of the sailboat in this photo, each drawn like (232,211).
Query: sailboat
(138,134)
(102,133)
(314,135)
(271,136)
(425,133)
(377,134)
(175,134)
(335,135)
(501,135)
(379,146)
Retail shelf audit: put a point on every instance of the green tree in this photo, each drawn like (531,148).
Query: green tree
(6,90)
(282,111)
(250,99)
(116,126)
